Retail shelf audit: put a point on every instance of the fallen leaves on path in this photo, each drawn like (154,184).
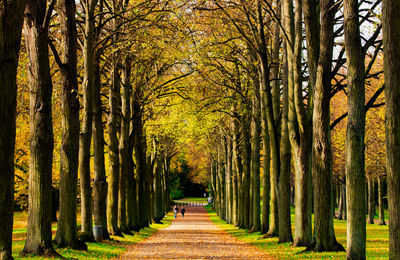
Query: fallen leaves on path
(193,237)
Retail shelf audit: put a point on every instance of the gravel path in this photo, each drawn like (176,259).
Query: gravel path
(193,237)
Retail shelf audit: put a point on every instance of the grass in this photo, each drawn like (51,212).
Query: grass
(103,250)
(377,241)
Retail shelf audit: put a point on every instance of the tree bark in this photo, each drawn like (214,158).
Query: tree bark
(324,235)
(87,119)
(66,235)
(391,43)
(256,159)
(38,236)
(266,166)
(124,146)
(285,230)
(113,154)
(355,148)
(100,182)
(245,183)
(11,13)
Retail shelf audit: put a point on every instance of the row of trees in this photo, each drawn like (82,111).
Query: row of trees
(280,68)
(87,53)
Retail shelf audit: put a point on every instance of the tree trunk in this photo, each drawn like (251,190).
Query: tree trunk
(11,13)
(87,118)
(285,230)
(66,235)
(271,120)
(371,201)
(380,201)
(299,124)
(235,189)
(221,178)
(229,186)
(124,146)
(245,187)
(140,159)
(391,43)
(237,172)
(266,166)
(324,235)
(113,154)
(355,155)
(256,159)
(38,235)
(100,182)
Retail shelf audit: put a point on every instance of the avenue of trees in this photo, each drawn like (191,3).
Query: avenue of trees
(282,102)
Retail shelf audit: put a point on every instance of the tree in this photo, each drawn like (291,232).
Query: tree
(324,235)
(39,236)
(391,43)
(355,148)
(87,118)
(11,12)
(66,235)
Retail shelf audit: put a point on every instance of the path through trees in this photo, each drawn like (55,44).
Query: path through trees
(193,237)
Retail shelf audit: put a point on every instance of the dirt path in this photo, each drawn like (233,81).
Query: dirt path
(193,237)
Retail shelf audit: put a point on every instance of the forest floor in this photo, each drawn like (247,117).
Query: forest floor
(194,236)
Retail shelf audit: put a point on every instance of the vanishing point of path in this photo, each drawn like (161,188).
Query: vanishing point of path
(193,237)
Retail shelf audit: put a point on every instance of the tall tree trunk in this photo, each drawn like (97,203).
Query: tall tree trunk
(235,189)
(140,158)
(285,230)
(124,145)
(299,124)
(229,181)
(380,201)
(87,118)
(391,43)
(221,177)
(245,183)
(355,156)
(324,235)
(11,13)
(38,235)
(266,166)
(66,235)
(100,182)
(238,171)
(272,126)
(371,200)
(256,159)
(113,153)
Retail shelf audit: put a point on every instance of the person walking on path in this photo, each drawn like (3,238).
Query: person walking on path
(183,211)
(175,211)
